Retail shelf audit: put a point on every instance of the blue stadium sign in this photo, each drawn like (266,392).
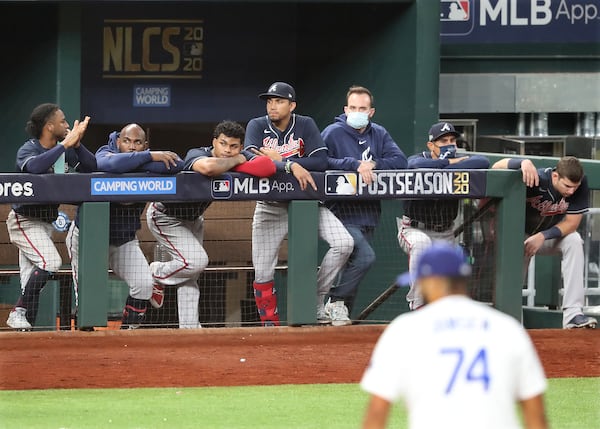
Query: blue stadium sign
(519,21)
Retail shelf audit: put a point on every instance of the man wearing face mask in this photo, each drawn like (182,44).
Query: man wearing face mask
(354,143)
(425,221)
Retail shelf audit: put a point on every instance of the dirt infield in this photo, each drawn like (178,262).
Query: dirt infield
(231,356)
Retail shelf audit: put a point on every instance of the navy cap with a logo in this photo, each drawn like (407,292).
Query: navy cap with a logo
(441,129)
(279,90)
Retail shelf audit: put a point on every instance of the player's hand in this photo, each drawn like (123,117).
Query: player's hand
(530,173)
(271,153)
(303,176)
(533,244)
(168,158)
(75,134)
(365,169)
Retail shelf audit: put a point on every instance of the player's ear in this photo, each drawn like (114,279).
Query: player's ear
(430,146)
(292,106)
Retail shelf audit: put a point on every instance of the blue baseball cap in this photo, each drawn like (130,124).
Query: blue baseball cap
(441,129)
(440,259)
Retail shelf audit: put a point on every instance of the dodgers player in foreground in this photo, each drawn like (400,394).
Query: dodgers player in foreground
(295,144)
(556,200)
(30,226)
(467,364)
(178,227)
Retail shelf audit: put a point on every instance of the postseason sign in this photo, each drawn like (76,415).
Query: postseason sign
(191,186)
(408,183)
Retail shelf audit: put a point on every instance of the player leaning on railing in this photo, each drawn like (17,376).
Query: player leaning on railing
(426,220)
(30,226)
(178,227)
(556,200)
(127,151)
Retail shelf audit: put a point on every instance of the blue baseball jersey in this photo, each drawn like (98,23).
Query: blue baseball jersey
(33,158)
(300,141)
(546,206)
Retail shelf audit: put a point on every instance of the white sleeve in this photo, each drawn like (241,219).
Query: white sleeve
(384,374)
(532,380)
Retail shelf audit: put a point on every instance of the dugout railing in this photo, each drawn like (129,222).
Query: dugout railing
(94,191)
(303,247)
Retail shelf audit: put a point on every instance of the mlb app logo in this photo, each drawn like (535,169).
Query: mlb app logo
(340,183)
(221,188)
(456,17)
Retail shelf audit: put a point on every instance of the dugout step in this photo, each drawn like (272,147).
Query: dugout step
(543,318)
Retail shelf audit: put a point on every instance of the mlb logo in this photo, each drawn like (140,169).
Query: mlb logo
(455,10)
(221,188)
(340,183)
(456,17)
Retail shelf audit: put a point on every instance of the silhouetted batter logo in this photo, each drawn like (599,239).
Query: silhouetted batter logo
(221,187)
(456,17)
(340,183)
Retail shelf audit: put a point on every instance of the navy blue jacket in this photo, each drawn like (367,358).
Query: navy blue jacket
(347,147)
(125,218)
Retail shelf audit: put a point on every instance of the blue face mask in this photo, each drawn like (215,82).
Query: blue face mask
(357,120)
(448,151)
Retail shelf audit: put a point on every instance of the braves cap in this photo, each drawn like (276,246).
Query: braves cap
(279,90)
(440,259)
(441,129)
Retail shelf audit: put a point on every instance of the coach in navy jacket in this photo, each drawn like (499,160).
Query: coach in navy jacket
(355,143)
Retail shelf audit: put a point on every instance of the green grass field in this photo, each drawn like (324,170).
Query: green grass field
(572,403)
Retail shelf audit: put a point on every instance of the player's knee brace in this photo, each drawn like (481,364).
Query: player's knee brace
(265,296)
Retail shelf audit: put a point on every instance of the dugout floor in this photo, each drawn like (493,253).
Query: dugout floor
(231,356)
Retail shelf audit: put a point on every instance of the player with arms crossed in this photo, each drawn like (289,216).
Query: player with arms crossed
(355,143)
(556,200)
(52,146)
(295,144)
(127,152)
(428,220)
(467,364)
(178,227)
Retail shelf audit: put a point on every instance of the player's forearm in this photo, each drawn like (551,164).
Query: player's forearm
(534,415)
(312,163)
(41,163)
(87,160)
(569,224)
(216,166)
(377,413)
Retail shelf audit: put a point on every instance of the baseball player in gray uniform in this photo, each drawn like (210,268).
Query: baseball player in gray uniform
(178,227)
(557,199)
(30,226)
(295,144)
